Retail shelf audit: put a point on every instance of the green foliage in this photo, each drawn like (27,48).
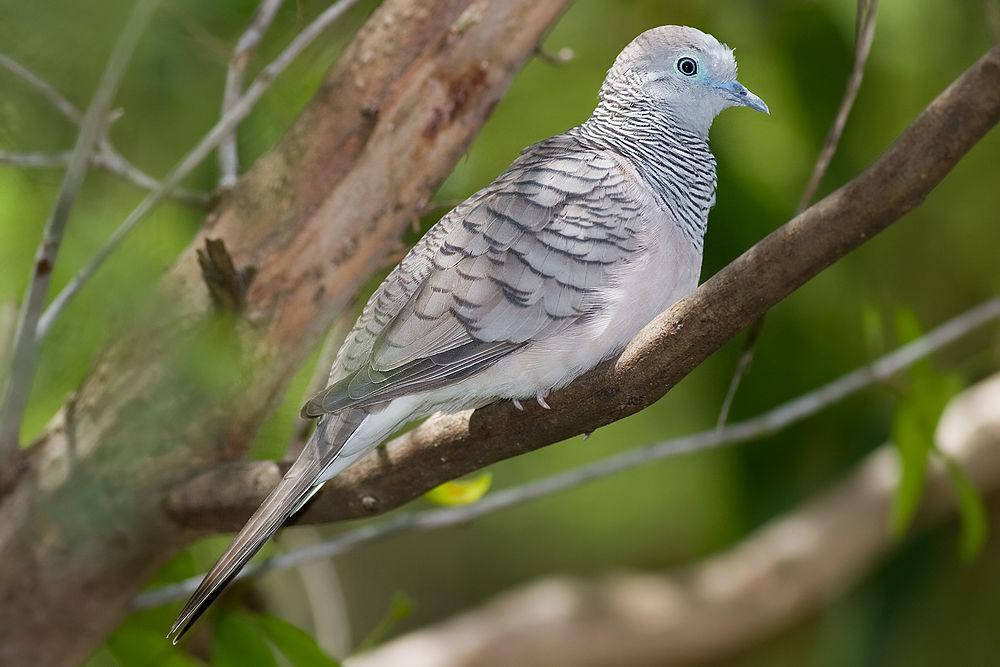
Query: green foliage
(921,403)
(238,641)
(972,510)
(296,645)
(461,491)
(400,608)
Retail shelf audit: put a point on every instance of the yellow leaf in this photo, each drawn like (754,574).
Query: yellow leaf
(461,492)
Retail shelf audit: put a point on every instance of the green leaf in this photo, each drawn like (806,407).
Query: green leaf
(237,642)
(295,644)
(135,644)
(971,510)
(924,399)
(461,492)
(914,445)
(401,607)
(873,330)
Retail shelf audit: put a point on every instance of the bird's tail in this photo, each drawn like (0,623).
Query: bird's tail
(301,481)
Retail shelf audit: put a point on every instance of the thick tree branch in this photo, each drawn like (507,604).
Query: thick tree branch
(768,423)
(83,530)
(787,570)
(664,352)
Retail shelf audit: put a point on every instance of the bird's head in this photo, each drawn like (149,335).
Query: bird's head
(682,70)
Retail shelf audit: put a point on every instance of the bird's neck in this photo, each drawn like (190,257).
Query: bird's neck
(675,162)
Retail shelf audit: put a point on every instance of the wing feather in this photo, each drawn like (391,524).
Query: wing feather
(517,262)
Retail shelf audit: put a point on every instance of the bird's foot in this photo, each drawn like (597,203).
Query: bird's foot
(517,404)
(541,399)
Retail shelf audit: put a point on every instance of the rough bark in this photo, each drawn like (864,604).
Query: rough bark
(709,612)
(663,353)
(83,529)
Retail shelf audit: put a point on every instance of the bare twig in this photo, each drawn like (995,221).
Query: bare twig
(8,324)
(560,57)
(717,607)
(24,355)
(36,160)
(189,162)
(106,157)
(866,14)
(245,47)
(991,9)
(47,90)
(765,424)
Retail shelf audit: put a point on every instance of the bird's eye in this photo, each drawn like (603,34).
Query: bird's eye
(687,66)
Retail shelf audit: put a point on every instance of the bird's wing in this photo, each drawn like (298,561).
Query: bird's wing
(518,262)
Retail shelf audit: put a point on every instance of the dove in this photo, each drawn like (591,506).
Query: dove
(533,280)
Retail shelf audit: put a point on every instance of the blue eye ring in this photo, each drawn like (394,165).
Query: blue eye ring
(687,66)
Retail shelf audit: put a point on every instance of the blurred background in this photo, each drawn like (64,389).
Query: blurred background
(924,606)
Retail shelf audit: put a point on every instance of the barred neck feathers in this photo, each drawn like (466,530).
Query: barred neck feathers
(673,160)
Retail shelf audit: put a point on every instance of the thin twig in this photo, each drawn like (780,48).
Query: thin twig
(25,353)
(106,157)
(194,157)
(37,160)
(865,34)
(8,324)
(765,424)
(245,47)
(560,57)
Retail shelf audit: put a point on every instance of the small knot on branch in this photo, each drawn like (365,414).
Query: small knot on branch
(226,285)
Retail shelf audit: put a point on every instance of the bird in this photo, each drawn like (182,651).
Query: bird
(533,280)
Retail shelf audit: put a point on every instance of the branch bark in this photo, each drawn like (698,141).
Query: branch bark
(787,570)
(664,352)
(83,529)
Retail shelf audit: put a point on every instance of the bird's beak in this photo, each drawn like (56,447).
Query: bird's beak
(737,93)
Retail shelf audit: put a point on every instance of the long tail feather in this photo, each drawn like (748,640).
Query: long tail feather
(287,497)
(299,483)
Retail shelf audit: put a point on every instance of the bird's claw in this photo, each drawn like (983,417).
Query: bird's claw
(517,404)
(541,400)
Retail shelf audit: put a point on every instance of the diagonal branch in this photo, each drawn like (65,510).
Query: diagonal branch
(245,47)
(25,352)
(106,157)
(189,162)
(866,14)
(665,351)
(768,423)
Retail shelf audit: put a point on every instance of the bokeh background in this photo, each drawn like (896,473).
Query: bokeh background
(924,606)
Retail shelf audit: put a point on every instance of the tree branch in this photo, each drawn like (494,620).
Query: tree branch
(245,47)
(106,157)
(665,351)
(867,12)
(190,162)
(788,569)
(25,351)
(770,422)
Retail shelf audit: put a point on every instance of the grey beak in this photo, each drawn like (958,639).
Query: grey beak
(738,94)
